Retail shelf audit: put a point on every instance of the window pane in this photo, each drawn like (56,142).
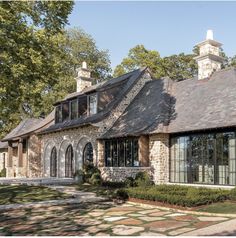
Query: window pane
(58,114)
(65,111)
(74,111)
(121,152)
(92,104)
(82,106)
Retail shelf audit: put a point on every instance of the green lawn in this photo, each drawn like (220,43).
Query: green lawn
(106,191)
(226,207)
(23,193)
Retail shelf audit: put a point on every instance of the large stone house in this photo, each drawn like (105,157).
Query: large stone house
(180,132)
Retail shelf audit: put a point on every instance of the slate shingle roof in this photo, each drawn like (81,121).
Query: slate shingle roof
(205,104)
(165,106)
(127,80)
(28,126)
(3,145)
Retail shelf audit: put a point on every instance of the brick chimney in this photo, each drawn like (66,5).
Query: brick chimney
(209,59)
(83,79)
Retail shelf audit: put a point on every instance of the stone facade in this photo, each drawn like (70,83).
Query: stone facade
(78,138)
(159,157)
(3,159)
(120,173)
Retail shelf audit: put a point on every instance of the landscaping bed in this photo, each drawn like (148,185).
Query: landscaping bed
(23,194)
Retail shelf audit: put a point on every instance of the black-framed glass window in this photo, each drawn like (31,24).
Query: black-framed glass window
(82,106)
(58,114)
(92,104)
(69,162)
(65,111)
(88,154)
(204,158)
(74,109)
(121,152)
(53,162)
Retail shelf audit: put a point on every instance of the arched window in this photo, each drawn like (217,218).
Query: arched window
(88,154)
(69,162)
(53,162)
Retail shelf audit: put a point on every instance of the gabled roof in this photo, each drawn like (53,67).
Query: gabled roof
(148,111)
(3,145)
(205,104)
(166,106)
(28,126)
(127,81)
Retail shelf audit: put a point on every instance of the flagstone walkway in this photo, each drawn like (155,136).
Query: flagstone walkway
(104,219)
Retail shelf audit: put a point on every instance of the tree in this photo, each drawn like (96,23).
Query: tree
(79,47)
(138,57)
(30,54)
(176,67)
(179,67)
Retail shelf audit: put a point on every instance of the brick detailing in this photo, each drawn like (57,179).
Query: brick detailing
(159,157)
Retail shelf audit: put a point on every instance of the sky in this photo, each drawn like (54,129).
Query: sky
(168,27)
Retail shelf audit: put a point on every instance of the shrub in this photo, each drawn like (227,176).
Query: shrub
(113,184)
(142,179)
(3,172)
(96,179)
(89,170)
(179,195)
(129,182)
(232,194)
(121,194)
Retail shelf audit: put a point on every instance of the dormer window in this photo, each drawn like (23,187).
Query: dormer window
(74,109)
(65,111)
(92,104)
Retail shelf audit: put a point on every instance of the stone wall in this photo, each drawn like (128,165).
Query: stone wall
(119,174)
(159,157)
(34,157)
(78,138)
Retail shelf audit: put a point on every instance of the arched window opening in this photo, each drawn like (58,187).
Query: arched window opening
(88,154)
(53,162)
(69,162)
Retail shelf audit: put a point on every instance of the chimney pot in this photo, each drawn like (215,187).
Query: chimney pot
(84,65)
(209,35)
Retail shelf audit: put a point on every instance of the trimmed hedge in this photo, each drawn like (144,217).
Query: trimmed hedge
(179,195)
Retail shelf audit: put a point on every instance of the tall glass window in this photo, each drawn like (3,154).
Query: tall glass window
(58,114)
(203,159)
(121,152)
(65,111)
(53,162)
(92,104)
(74,109)
(69,162)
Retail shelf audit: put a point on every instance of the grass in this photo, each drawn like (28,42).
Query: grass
(106,191)
(23,193)
(226,207)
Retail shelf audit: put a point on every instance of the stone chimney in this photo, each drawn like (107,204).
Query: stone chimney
(209,59)
(83,79)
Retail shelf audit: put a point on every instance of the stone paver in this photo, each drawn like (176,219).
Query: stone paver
(103,218)
(180,231)
(212,218)
(162,226)
(126,230)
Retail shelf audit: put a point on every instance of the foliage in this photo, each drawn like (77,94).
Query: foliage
(96,179)
(88,171)
(3,172)
(139,57)
(179,195)
(111,184)
(227,207)
(129,182)
(142,179)
(121,194)
(38,58)
(177,67)
(233,194)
